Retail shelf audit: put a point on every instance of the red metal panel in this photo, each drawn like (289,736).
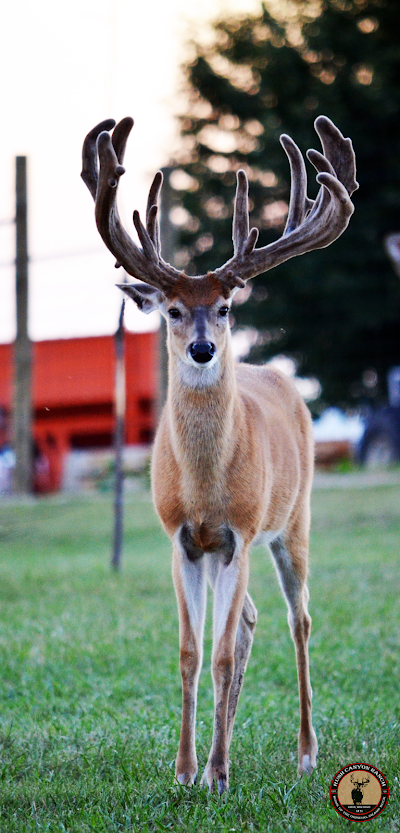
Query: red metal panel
(72,371)
(5,375)
(73,393)
(141,386)
(81,370)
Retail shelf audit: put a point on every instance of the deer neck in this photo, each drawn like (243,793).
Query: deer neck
(203,420)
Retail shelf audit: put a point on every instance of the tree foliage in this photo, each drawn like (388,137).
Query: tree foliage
(336,311)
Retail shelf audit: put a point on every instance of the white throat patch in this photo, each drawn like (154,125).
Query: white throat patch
(195,376)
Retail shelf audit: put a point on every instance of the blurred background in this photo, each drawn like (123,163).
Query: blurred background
(211,86)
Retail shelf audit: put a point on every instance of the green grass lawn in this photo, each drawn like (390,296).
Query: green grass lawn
(90,686)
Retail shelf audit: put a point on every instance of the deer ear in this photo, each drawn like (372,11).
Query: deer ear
(146,297)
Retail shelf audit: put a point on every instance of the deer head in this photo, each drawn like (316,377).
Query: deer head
(197,308)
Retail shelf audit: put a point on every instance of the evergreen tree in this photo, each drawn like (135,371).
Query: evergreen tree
(336,311)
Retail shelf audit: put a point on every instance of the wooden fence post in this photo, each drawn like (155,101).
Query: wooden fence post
(22,405)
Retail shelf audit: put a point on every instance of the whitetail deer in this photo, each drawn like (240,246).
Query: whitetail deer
(233,454)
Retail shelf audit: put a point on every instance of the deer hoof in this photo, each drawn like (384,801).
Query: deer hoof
(186,775)
(185,779)
(215,777)
(308,756)
(305,765)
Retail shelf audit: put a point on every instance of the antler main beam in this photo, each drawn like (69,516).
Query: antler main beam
(311,224)
(146,263)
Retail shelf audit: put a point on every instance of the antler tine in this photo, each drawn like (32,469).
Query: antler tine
(338,151)
(90,169)
(144,264)
(147,243)
(120,137)
(307,229)
(299,203)
(243,240)
(240,230)
(153,226)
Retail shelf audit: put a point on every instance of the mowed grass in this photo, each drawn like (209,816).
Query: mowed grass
(90,686)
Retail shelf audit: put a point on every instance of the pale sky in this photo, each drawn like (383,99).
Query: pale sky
(65,67)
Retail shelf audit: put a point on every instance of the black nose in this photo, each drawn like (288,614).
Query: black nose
(202,351)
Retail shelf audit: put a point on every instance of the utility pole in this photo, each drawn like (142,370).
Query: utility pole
(22,411)
(119,341)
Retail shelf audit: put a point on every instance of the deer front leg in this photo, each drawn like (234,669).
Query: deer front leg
(243,645)
(191,591)
(230,584)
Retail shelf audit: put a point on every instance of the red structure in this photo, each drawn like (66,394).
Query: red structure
(73,396)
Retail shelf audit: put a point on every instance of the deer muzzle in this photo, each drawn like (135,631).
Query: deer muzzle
(202,351)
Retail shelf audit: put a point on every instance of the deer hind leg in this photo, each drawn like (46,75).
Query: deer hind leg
(228,575)
(189,576)
(291,565)
(243,645)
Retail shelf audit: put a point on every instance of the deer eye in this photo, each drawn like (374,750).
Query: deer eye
(223,311)
(174,313)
